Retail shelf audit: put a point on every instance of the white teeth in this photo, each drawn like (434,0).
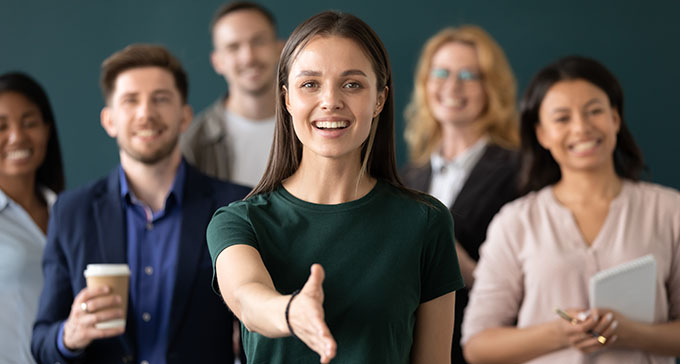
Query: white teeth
(146,133)
(331,124)
(583,146)
(452,102)
(18,154)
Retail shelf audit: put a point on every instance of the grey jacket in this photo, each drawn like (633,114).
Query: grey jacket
(205,144)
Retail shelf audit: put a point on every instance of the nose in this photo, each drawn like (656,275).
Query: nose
(581,123)
(453,82)
(331,99)
(145,109)
(16,133)
(246,53)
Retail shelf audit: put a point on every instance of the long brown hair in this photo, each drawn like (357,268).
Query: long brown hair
(378,151)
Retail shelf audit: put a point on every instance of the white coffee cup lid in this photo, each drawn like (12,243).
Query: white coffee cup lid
(107,270)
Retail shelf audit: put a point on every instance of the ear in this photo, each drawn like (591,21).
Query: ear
(380,104)
(286,99)
(215,61)
(187,117)
(540,135)
(617,119)
(106,120)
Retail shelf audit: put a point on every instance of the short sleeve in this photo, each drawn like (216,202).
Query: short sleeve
(229,226)
(498,290)
(440,269)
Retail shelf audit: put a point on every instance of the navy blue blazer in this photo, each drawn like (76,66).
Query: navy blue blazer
(87,225)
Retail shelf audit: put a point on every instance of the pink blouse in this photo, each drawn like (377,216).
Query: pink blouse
(535,259)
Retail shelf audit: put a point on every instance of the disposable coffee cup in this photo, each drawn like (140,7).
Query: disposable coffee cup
(116,276)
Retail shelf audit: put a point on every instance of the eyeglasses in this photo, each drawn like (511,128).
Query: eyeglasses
(441,74)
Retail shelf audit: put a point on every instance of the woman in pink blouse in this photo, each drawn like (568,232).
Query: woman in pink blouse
(585,211)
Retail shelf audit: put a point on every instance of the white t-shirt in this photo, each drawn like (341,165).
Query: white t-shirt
(250,141)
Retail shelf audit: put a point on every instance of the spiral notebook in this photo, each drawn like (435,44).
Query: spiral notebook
(628,288)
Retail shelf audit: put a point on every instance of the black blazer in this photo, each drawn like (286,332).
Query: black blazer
(490,185)
(87,225)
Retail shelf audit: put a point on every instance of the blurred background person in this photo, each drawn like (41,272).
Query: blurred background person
(31,174)
(586,211)
(231,139)
(461,131)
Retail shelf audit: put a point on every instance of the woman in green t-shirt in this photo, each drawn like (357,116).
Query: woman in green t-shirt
(330,195)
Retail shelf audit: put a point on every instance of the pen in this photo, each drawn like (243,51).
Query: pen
(601,339)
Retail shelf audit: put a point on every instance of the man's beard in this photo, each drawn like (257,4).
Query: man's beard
(153,157)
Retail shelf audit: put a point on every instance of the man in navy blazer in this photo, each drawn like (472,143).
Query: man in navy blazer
(150,213)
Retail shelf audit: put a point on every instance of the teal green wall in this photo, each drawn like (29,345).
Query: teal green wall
(62,44)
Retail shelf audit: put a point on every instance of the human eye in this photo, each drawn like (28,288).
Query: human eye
(440,73)
(161,99)
(3,125)
(128,100)
(468,75)
(353,85)
(309,85)
(30,122)
(596,111)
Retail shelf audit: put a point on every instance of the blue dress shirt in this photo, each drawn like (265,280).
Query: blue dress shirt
(153,244)
(152,252)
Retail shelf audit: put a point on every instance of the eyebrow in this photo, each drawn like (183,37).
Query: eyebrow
(353,72)
(566,109)
(24,115)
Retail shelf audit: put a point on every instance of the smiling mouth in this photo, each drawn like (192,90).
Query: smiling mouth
(453,102)
(18,154)
(584,146)
(326,125)
(147,133)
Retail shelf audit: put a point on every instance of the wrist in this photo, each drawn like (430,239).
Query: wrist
(287,312)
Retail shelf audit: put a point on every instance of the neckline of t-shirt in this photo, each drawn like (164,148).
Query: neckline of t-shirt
(287,196)
(240,122)
(615,202)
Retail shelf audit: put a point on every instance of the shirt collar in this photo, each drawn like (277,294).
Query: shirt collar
(177,189)
(49,196)
(4,200)
(465,160)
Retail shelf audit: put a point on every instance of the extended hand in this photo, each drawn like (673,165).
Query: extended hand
(306,316)
(90,307)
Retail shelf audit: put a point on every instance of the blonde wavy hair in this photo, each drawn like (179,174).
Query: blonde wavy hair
(499,118)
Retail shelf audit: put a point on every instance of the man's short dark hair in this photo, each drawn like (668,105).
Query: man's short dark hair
(142,55)
(231,7)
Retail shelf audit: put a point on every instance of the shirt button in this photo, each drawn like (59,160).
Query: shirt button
(148,270)
(146,317)
(144,362)
(149,226)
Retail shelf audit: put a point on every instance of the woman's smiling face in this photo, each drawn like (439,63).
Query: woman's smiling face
(332,97)
(578,126)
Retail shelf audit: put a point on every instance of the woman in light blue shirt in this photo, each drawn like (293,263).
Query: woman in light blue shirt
(31,174)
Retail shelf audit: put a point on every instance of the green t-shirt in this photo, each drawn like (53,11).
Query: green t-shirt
(383,254)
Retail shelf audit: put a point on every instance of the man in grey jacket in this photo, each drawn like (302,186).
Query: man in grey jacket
(231,139)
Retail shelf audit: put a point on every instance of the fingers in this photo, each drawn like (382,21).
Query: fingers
(308,319)
(90,307)
(316,277)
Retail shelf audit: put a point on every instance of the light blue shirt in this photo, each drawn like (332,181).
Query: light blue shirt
(21,250)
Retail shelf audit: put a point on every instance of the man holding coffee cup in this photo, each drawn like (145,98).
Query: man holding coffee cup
(144,225)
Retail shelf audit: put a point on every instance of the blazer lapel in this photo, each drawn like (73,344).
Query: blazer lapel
(112,242)
(108,219)
(197,208)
